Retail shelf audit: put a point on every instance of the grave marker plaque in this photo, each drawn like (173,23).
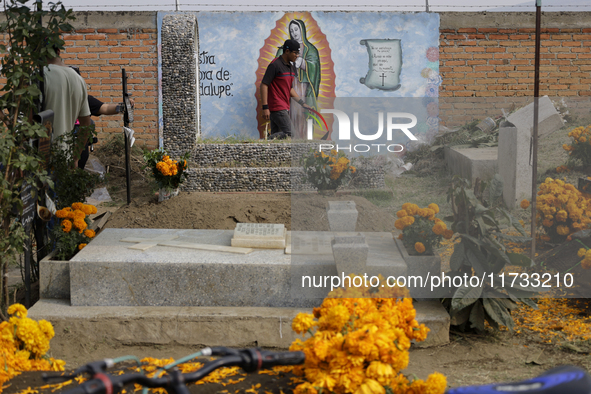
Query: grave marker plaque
(259,235)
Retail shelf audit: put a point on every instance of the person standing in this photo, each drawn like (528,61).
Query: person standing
(64,92)
(277,90)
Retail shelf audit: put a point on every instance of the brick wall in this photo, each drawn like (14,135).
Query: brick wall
(101,54)
(496,62)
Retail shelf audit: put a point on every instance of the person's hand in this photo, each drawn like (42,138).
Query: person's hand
(266,114)
(298,62)
(307,107)
(131,102)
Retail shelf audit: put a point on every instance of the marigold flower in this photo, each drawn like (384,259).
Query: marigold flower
(81,246)
(66,226)
(61,214)
(439,228)
(448,234)
(434,207)
(303,322)
(419,247)
(581,252)
(400,224)
(402,213)
(89,233)
(77,205)
(524,204)
(80,225)
(18,310)
(436,383)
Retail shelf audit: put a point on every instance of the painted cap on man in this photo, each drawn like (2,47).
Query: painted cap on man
(292,45)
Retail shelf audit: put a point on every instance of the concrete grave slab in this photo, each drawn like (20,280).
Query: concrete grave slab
(549,119)
(472,163)
(259,235)
(108,273)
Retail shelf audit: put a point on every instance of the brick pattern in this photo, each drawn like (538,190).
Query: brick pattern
(101,54)
(494,62)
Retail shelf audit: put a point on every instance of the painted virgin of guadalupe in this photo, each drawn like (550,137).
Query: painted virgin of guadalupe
(308,81)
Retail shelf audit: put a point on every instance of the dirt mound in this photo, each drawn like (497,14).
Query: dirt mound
(223,210)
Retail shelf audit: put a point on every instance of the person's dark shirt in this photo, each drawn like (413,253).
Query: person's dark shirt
(95,105)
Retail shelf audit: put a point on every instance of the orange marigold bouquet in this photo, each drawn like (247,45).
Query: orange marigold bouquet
(359,343)
(421,230)
(580,147)
(167,173)
(24,344)
(327,171)
(562,210)
(71,232)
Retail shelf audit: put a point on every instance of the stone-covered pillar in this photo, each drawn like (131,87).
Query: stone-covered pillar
(180,72)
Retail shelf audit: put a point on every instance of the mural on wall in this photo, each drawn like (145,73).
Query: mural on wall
(315,81)
(344,55)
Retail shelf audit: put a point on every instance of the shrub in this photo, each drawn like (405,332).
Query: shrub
(579,148)
(167,173)
(327,172)
(71,232)
(421,230)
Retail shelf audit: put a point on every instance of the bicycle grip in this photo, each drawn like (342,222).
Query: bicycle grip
(93,386)
(270,359)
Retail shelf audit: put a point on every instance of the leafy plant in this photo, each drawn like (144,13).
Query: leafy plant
(29,30)
(327,172)
(482,253)
(71,183)
(167,173)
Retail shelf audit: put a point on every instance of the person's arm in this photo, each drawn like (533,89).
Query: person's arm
(111,109)
(264,98)
(297,98)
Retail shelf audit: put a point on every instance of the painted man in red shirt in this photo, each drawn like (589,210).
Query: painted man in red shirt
(277,90)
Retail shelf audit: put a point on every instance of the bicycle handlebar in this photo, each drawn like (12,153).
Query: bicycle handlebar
(249,360)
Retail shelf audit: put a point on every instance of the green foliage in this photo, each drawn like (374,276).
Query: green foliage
(72,184)
(23,56)
(167,173)
(482,253)
(327,172)
(579,149)
(421,231)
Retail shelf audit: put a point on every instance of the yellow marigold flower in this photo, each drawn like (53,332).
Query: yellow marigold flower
(381,372)
(353,170)
(582,139)
(370,386)
(305,388)
(581,252)
(61,214)
(419,247)
(448,234)
(166,158)
(87,209)
(81,246)
(303,322)
(408,220)
(563,230)
(18,310)
(561,216)
(333,152)
(77,206)
(547,223)
(439,228)
(89,233)
(79,214)
(66,226)
(524,204)
(400,224)
(586,264)
(80,225)
(436,383)
(402,213)
(434,207)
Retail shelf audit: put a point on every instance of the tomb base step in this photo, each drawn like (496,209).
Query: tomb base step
(472,163)
(197,326)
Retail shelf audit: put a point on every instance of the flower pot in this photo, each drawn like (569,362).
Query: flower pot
(164,194)
(423,266)
(54,278)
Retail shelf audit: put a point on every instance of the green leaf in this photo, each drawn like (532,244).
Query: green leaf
(520,260)
(495,189)
(477,316)
(512,238)
(457,258)
(464,297)
(476,259)
(498,313)
(529,302)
